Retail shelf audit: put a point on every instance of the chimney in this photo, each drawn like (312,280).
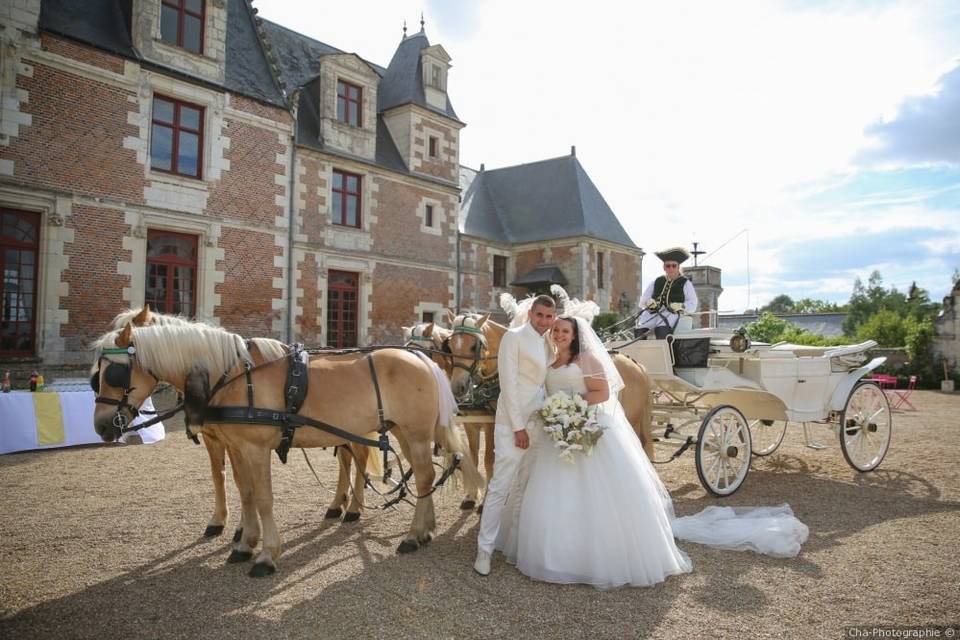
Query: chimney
(573,150)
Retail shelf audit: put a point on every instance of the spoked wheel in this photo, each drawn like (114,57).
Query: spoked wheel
(766,435)
(865,427)
(723,450)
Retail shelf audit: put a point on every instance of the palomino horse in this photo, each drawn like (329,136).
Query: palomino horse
(262,350)
(433,338)
(343,393)
(474,345)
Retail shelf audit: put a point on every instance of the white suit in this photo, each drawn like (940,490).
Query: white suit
(522,365)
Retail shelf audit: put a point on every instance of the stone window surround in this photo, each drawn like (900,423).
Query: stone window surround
(439,216)
(368,91)
(208,64)
(201,159)
(364,294)
(361,195)
(181,9)
(436,308)
(349,84)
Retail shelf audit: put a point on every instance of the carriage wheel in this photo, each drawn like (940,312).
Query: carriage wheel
(865,427)
(723,450)
(766,436)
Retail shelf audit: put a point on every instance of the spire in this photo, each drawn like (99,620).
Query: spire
(421,22)
(695,253)
(404,27)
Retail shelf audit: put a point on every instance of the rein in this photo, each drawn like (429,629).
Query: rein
(120,374)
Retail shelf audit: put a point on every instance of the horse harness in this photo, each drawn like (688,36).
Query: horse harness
(486,387)
(118,375)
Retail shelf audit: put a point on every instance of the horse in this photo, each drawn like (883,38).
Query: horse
(262,350)
(476,340)
(433,338)
(386,389)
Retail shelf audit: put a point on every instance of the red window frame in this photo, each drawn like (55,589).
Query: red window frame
(428,215)
(599,269)
(343,307)
(13,305)
(349,95)
(340,216)
(499,271)
(180,6)
(170,263)
(432,147)
(176,127)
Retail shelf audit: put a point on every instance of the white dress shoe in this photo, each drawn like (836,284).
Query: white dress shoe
(482,564)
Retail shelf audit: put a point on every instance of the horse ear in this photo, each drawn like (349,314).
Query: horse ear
(142,318)
(428,331)
(450,316)
(482,319)
(125,337)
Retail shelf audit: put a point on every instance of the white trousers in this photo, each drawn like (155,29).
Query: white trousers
(506,467)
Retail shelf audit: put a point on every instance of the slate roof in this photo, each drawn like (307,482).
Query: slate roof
(542,275)
(403,81)
(105,24)
(538,201)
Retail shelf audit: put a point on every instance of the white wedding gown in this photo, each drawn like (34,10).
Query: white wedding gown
(607,520)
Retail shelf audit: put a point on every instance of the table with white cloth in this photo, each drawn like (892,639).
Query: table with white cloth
(51,419)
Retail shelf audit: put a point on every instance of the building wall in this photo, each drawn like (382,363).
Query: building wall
(946,344)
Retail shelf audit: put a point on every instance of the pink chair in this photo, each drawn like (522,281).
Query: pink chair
(900,397)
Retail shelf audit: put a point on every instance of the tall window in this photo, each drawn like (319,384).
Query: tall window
(436,77)
(181,23)
(342,294)
(427,316)
(172,272)
(19,249)
(345,199)
(349,99)
(499,271)
(428,216)
(599,269)
(176,138)
(433,147)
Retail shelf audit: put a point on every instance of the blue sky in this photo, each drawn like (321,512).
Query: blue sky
(802,144)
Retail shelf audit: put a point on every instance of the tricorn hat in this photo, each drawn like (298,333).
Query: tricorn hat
(674,254)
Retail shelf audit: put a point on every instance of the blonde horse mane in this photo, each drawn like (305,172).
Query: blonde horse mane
(169,350)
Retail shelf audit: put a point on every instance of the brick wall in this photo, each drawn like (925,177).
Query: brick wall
(310,323)
(625,278)
(81,53)
(397,291)
(398,231)
(247,292)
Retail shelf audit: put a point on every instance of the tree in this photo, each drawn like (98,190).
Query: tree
(809,305)
(768,328)
(887,327)
(781,304)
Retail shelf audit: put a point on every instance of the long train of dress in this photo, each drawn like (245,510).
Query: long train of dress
(607,520)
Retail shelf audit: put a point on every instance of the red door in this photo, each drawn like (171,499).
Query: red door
(342,316)
(171,273)
(19,250)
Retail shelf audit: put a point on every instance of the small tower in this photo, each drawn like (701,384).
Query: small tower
(706,282)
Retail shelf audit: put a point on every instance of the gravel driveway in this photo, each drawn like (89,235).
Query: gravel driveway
(104,542)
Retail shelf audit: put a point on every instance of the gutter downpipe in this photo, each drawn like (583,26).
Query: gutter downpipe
(294,101)
(456,302)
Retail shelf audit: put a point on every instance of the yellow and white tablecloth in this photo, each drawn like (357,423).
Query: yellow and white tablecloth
(48,420)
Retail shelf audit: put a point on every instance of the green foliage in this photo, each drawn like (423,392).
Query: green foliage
(769,328)
(604,320)
(919,342)
(809,305)
(781,304)
(869,300)
(804,337)
(888,328)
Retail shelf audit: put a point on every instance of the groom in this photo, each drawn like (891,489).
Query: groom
(522,363)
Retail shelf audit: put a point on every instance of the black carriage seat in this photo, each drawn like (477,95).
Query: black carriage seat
(690,352)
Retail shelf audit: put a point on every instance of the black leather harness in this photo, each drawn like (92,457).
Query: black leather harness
(289,419)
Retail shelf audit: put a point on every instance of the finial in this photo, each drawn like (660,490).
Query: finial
(421,21)
(482,167)
(696,253)
(404,27)
(573,150)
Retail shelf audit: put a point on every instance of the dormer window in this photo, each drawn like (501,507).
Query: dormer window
(349,99)
(181,23)
(437,78)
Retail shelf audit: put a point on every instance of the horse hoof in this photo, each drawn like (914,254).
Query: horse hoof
(212,531)
(333,513)
(261,570)
(351,516)
(467,505)
(408,546)
(238,534)
(239,556)
(425,540)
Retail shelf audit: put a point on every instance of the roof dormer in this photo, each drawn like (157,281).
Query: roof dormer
(347,101)
(435,63)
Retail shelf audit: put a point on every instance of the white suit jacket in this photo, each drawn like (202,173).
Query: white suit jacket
(522,364)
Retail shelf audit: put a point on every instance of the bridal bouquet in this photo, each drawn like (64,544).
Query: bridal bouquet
(572,424)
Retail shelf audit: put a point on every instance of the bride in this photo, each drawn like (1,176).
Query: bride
(605,518)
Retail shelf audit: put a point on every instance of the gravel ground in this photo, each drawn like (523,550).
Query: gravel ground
(104,542)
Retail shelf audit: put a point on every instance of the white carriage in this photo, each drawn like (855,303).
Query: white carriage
(742,397)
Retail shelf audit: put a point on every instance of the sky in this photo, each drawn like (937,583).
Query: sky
(801,144)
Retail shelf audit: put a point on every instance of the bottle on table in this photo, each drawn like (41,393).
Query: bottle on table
(33,381)
(6,382)
(41,385)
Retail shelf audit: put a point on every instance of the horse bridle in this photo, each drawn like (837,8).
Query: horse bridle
(475,370)
(118,375)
